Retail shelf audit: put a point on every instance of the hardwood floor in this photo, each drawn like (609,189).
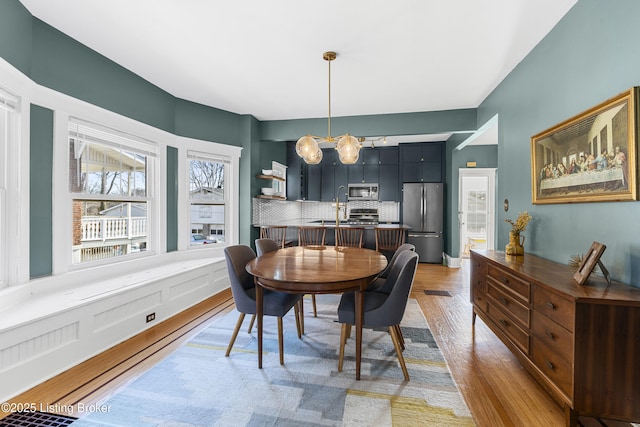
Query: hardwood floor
(497,389)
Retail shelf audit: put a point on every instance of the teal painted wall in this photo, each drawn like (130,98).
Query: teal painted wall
(198,121)
(61,63)
(16,35)
(41,192)
(485,156)
(590,56)
(172,199)
(384,124)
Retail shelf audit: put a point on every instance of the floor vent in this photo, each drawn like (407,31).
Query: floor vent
(438,293)
(36,419)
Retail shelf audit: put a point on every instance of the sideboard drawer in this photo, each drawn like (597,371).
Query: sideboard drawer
(553,366)
(509,304)
(509,327)
(513,284)
(553,335)
(479,299)
(555,307)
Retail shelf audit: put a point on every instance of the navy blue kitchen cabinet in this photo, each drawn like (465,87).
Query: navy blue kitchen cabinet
(422,162)
(295,174)
(390,167)
(334,174)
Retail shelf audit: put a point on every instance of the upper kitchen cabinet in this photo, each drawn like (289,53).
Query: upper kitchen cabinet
(295,174)
(366,168)
(422,162)
(334,174)
(389,174)
(320,182)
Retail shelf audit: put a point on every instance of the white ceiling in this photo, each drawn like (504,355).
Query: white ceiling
(264,58)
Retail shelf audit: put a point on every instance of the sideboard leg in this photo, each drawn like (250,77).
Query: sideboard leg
(473,317)
(571,416)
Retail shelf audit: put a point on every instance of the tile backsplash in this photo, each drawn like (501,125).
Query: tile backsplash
(272,212)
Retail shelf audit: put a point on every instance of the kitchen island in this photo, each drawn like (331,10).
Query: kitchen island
(369,240)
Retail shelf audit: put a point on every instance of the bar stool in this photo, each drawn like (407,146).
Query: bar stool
(349,236)
(275,232)
(311,236)
(388,239)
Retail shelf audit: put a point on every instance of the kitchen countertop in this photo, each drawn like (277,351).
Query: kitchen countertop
(332,224)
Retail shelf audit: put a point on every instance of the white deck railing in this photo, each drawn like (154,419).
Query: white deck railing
(106,228)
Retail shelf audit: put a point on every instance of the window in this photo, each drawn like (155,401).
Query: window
(208,196)
(109,173)
(8,139)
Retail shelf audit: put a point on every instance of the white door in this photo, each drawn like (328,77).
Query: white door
(476,209)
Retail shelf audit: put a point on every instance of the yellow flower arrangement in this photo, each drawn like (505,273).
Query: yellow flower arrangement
(520,224)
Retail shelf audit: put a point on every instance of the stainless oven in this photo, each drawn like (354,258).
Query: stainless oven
(362,191)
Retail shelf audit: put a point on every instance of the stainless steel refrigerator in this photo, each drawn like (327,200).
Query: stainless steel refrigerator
(423,211)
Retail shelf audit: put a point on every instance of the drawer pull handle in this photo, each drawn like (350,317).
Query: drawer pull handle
(550,365)
(551,305)
(550,335)
(505,280)
(503,300)
(503,323)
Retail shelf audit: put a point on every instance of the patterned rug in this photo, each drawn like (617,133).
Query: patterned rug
(198,386)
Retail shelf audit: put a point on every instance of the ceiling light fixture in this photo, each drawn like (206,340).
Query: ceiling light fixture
(347,145)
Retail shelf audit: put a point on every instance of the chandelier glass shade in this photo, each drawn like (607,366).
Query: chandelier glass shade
(348,146)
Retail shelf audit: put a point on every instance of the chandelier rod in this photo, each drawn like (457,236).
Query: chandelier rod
(329,56)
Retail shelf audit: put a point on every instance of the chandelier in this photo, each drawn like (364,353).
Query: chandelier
(348,146)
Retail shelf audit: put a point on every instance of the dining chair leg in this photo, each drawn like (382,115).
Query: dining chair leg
(313,301)
(396,344)
(400,336)
(281,340)
(296,311)
(302,316)
(235,334)
(253,319)
(343,340)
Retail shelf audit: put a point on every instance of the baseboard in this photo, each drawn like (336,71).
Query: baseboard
(452,262)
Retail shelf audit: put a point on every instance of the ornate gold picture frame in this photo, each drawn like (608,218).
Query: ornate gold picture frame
(590,157)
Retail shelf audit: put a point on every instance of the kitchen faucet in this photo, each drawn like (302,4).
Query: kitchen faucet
(338,205)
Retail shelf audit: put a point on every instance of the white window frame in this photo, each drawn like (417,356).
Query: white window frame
(65,109)
(9,141)
(86,132)
(215,152)
(208,157)
(14,201)
(15,204)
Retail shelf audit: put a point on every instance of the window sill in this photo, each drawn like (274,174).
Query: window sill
(42,298)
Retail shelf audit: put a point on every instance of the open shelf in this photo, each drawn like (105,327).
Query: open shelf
(262,196)
(277,178)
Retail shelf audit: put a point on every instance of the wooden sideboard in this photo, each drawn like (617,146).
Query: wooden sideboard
(581,343)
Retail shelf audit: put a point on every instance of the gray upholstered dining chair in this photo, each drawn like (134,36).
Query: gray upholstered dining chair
(243,289)
(266,245)
(382,309)
(378,284)
(269,245)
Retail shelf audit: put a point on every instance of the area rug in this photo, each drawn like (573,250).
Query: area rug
(198,386)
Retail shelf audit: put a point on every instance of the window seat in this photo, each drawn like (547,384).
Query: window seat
(50,324)
(42,298)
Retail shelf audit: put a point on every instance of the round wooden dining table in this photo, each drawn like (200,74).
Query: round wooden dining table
(317,270)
